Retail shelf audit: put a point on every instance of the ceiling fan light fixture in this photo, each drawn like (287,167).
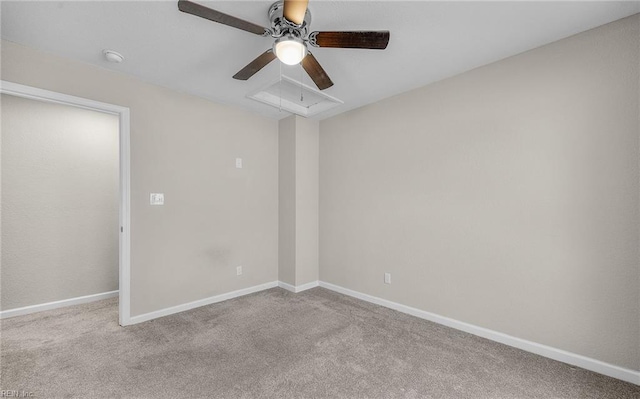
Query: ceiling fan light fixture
(289,25)
(290,50)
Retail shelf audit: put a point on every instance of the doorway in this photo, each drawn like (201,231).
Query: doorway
(68,185)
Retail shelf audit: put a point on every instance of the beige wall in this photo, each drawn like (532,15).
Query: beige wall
(287,200)
(215,216)
(307,175)
(298,185)
(505,197)
(59,203)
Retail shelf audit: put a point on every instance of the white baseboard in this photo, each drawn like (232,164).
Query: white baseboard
(298,288)
(307,286)
(57,304)
(286,286)
(597,366)
(574,359)
(201,302)
(219,298)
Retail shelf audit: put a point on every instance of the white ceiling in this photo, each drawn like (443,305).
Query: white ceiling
(429,41)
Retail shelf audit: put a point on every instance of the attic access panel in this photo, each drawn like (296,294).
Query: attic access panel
(295,97)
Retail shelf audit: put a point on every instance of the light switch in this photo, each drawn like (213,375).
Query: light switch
(156,199)
(239,163)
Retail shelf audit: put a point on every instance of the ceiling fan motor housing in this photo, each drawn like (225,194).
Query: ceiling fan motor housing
(280,26)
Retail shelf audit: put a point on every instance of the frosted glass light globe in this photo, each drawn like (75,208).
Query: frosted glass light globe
(290,50)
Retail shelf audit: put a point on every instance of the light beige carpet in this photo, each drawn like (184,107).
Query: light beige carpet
(275,344)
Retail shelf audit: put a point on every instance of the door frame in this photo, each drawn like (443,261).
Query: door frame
(34,93)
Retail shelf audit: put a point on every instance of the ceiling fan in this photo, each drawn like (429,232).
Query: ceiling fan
(289,25)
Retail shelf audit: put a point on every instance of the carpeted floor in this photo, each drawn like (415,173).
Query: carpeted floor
(275,344)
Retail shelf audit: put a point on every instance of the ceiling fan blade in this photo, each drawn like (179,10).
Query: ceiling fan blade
(255,65)
(216,16)
(294,10)
(377,40)
(315,71)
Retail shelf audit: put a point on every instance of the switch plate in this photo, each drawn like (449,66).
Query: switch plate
(239,163)
(387,278)
(239,270)
(156,199)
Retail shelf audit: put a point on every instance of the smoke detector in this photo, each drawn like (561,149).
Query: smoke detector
(113,56)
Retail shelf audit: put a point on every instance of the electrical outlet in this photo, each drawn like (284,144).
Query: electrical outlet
(239,270)
(387,278)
